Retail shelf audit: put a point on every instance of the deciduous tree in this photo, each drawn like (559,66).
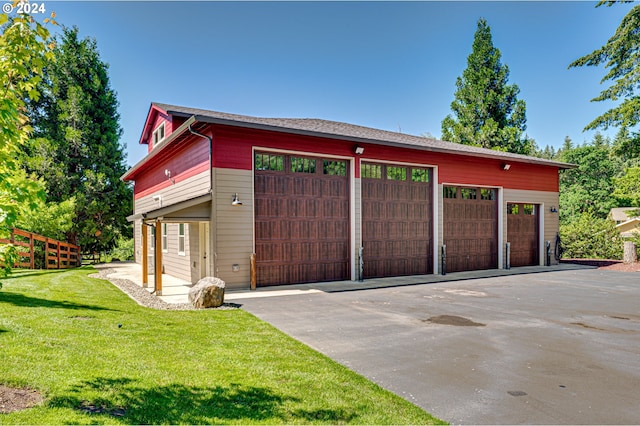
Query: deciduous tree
(25,47)
(589,187)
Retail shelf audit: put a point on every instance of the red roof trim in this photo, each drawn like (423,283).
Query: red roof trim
(151,116)
(184,128)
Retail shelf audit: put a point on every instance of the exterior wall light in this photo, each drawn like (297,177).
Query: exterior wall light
(553,209)
(506,166)
(359,150)
(167,173)
(236,201)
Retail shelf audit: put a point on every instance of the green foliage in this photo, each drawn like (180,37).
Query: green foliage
(620,55)
(169,367)
(627,188)
(50,219)
(589,187)
(591,237)
(487,110)
(123,249)
(25,47)
(77,146)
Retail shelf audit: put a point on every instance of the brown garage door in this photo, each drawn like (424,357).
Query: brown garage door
(397,227)
(301,219)
(470,228)
(522,233)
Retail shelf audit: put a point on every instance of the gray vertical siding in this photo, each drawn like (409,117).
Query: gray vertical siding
(234,231)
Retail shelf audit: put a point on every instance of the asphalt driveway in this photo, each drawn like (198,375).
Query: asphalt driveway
(557,347)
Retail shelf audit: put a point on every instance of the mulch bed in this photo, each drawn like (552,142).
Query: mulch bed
(606,264)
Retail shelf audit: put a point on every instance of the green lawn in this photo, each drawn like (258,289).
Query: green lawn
(60,335)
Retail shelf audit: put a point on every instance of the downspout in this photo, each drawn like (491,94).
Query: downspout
(214,218)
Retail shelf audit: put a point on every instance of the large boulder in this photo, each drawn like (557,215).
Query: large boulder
(207,293)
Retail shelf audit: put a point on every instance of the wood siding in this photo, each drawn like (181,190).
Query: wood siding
(233,149)
(174,264)
(185,161)
(174,193)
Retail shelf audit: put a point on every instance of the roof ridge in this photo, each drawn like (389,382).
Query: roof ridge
(330,128)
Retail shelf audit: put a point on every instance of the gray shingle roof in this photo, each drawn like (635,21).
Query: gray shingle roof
(345,131)
(622,214)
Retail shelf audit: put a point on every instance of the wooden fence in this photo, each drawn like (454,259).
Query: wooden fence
(36,251)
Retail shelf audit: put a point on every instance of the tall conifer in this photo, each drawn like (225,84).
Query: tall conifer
(77,147)
(486,110)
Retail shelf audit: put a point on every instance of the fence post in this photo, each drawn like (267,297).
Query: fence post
(31,252)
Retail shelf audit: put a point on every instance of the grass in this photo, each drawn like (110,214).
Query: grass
(60,335)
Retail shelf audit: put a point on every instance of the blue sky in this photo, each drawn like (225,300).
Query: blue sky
(388,65)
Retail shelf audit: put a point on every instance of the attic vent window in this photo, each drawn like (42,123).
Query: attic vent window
(158,134)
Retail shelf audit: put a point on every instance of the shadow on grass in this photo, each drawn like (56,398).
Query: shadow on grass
(18,299)
(21,273)
(175,403)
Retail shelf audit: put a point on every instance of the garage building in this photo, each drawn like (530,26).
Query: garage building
(288,201)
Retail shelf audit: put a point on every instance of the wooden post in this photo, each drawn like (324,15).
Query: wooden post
(32,254)
(158,244)
(58,254)
(145,256)
(254,272)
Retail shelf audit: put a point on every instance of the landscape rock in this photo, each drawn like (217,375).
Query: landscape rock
(207,293)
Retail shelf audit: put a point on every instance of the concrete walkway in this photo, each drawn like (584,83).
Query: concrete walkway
(176,290)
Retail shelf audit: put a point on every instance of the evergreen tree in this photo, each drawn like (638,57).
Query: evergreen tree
(77,147)
(487,111)
(621,55)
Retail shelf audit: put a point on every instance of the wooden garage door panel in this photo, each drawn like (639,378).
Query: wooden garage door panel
(523,234)
(397,222)
(470,226)
(301,221)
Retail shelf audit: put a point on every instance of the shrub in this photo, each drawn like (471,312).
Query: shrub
(590,237)
(123,249)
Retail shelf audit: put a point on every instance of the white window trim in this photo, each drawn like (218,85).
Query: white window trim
(156,138)
(182,237)
(165,242)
